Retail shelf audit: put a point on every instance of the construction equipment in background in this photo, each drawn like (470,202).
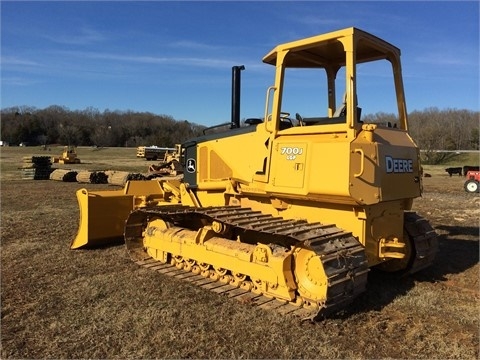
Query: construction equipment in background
(153,152)
(69,156)
(170,165)
(288,212)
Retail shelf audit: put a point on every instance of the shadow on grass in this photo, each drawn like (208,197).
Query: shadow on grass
(112,242)
(454,256)
(460,230)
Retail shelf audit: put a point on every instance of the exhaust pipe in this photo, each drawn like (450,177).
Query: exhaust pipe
(236,77)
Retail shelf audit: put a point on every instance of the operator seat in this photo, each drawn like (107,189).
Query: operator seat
(341,110)
(339,116)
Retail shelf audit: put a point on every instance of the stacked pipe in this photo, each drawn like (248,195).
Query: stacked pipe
(36,167)
(64,175)
(92,177)
(121,177)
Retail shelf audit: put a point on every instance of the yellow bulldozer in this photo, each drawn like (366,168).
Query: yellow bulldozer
(170,165)
(69,156)
(289,211)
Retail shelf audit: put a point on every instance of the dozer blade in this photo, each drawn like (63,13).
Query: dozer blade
(102,217)
(103,213)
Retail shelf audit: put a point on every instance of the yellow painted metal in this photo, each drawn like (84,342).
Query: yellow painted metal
(318,51)
(369,224)
(102,217)
(361,177)
(69,156)
(312,280)
(103,213)
(388,248)
(401,253)
(272,273)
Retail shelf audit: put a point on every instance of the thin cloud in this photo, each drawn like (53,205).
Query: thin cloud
(184,61)
(443,59)
(86,36)
(18,81)
(193,45)
(15,61)
(448,54)
(317,21)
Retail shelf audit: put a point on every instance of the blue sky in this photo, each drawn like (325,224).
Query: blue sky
(175,58)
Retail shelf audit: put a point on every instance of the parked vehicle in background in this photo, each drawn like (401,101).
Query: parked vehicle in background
(153,152)
(473,178)
(69,156)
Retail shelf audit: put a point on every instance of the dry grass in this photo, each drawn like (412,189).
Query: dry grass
(59,303)
(94,159)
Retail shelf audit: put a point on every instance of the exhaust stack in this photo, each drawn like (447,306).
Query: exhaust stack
(236,77)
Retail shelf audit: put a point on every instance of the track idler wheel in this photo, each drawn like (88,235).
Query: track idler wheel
(310,276)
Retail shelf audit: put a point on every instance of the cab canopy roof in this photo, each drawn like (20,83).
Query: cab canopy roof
(329,49)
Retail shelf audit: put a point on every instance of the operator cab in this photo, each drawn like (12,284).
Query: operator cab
(321,76)
(339,117)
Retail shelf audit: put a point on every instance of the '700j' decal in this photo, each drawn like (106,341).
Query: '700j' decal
(291,152)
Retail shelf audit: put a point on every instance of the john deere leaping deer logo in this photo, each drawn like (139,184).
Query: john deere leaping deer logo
(191,165)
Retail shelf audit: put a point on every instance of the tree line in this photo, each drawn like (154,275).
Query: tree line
(432,129)
(90,127)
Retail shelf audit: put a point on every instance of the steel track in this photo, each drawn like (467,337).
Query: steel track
(341,255)
(425,241)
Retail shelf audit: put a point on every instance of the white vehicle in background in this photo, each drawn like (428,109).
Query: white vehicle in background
(153,152)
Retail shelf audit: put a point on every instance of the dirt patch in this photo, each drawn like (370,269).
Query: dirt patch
(59,303)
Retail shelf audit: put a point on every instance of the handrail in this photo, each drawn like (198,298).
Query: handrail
(268,117)
(362,162)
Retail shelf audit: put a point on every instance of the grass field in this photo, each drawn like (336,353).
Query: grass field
(94,159)
(65,304)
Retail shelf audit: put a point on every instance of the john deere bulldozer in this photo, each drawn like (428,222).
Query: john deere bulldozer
(288,211)
(69,156)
